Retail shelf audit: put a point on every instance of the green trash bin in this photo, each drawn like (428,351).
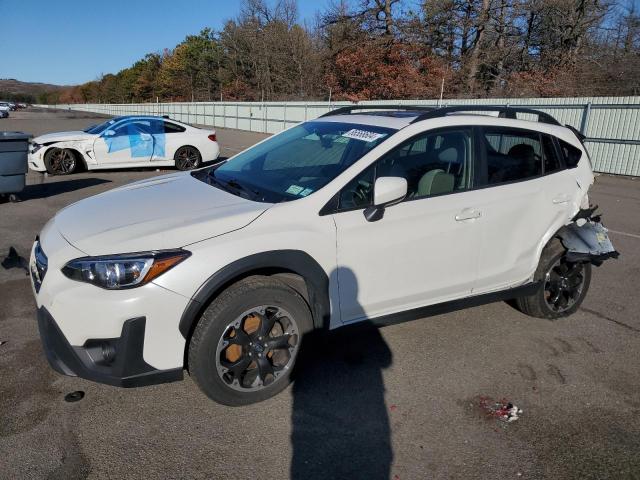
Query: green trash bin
(14,148)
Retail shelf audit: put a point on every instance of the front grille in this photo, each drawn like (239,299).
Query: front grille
(39,267)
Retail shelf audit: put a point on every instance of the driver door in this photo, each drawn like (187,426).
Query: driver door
(425,249)
(128,142)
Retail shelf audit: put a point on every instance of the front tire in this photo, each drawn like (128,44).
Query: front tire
(245,345)
(563,285)
(187,158)
(60,161)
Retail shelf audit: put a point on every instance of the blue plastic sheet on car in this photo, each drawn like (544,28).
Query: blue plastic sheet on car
(143,138)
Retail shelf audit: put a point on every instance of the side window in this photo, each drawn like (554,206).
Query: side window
(551,160)
(173,128)
(512,155)
(122,129)
(133,128)
(358,193)
(571,154)
(434,163)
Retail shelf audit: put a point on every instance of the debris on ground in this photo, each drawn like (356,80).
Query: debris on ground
(13,260)
(2,342)
(503,410)
(74,396)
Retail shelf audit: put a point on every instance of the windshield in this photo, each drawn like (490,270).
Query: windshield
(295,163)
(97,129)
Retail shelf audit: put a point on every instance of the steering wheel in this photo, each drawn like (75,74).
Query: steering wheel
(359,193)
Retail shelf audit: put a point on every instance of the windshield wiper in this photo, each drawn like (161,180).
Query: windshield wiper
(233,183)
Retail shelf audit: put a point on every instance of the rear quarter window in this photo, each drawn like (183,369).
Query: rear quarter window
(173,128)
(570,153)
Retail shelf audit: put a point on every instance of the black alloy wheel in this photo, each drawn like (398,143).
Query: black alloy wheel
(563,284)
(257,347)
(187,158)
(60,161)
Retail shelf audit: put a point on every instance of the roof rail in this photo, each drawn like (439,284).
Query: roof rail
(350,108)
(503,112)
(582,137)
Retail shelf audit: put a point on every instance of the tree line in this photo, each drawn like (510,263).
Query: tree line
(390,49)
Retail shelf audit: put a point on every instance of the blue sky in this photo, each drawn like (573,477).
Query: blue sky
(69,42)
(73,41)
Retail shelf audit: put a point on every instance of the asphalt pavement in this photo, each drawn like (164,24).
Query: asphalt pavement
(407,401)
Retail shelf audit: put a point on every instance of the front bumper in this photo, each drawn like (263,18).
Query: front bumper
(114,361)
(86,315)
(36,160)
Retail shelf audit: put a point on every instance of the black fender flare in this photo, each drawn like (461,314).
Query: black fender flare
(295,261)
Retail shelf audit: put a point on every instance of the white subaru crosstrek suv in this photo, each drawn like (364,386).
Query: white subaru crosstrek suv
(385,214)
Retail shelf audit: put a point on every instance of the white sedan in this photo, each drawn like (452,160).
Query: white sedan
(124,142)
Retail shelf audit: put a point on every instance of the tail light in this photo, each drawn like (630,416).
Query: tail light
(212,137)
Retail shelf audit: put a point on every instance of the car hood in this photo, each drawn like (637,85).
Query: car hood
(62,137)
(164,212)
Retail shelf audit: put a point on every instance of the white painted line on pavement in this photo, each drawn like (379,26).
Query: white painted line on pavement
(632,235)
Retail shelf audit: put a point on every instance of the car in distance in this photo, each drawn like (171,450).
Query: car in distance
(4,109)
(124,142)
(386,214)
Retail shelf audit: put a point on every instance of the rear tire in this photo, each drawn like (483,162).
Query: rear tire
(563,285)
(187,158)
(245,345)
(60,161)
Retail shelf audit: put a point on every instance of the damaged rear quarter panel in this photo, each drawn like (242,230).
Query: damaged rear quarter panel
(586,239)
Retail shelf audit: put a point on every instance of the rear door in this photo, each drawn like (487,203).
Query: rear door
(526,194)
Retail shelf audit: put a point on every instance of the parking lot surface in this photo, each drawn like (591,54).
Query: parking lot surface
(405,401)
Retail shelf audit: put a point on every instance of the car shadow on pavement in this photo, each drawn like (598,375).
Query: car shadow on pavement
(340,421)
(48,189)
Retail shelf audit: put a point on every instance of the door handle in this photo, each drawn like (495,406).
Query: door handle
(561,199)
(468,214)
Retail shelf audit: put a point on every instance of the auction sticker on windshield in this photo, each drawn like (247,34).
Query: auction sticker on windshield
(294,189)
(363,135)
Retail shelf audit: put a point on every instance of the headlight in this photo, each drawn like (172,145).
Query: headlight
(116,272)
(35,147)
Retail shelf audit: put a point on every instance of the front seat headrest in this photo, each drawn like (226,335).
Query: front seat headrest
(449,155)
(435,182)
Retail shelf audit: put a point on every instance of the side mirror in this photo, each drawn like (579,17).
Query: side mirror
(109,133)
(387,191)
